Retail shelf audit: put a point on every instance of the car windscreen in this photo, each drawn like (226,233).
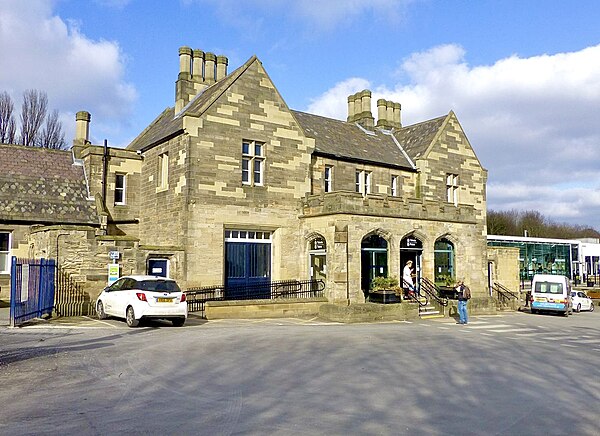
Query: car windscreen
(158,286)
(549,287)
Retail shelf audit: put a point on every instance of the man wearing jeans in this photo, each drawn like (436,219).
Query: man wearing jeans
(464,294)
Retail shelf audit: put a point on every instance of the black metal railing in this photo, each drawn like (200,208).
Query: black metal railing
(416,297)
(198,297)
(429,288)
(504,295)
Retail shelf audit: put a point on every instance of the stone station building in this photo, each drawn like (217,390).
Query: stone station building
(231,186)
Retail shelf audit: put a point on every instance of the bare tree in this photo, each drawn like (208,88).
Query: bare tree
(8,128)
(33,113)
(53,136)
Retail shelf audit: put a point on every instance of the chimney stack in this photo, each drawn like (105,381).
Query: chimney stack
(359,109)
(388,114)
(82,128)
(197,71)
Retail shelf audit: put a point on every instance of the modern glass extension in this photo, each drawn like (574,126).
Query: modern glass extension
(541,255)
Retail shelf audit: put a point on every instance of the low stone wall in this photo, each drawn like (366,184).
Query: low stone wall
(476,306)
(369,312)
(257,309)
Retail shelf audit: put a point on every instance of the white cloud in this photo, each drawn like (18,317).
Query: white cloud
(532,122)
(333,102)
(48,53)
(312,15)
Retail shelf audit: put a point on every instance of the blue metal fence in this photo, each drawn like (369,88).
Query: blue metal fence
(31,289)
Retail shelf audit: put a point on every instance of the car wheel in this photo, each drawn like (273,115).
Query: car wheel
(130,318)
(100,310)
(533,311)
(578,308)
(178,322)
(591,307)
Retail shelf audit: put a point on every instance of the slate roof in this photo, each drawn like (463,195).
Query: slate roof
(334,138)
(415,139)
(347,140)
(39,185)
(169,124)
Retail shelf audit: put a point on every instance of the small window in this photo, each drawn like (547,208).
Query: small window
(452,188)
(4,252)
(328,179)
(363,182)
(163,170)
(253,163)
(394,186)
(120,188)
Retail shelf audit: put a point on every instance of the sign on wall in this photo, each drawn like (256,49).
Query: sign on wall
(113,273)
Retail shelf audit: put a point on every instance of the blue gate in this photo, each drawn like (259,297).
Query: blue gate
(31,289)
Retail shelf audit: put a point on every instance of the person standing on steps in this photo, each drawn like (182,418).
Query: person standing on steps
(464,295)
(407,278)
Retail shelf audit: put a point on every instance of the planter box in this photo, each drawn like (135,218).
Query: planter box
(448,292)
(384,296)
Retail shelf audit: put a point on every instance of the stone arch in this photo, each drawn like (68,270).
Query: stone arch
(444,248)
(316,248)
(374,252)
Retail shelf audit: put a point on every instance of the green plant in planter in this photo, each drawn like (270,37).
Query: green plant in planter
(381,283)
(445,280)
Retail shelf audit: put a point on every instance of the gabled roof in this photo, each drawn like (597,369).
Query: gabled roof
(417,138)
(40,185)
(343,140)
(334,138)
(169,124)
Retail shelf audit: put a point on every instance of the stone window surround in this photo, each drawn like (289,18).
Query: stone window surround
(163,171)
(394,186)
(363,181)
(253,162)
(5,252)
(120,188)
(328,178)
(452,185)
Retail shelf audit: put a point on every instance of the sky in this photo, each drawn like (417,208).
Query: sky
(523,76)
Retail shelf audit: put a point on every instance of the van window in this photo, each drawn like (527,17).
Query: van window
(549,287)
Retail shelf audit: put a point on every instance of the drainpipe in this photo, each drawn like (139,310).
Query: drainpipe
(104,171)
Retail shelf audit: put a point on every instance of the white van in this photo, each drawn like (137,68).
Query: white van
(550,293)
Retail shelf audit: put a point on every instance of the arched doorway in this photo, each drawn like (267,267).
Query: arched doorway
(317,259)
(411,248)
(445,273)
(373,260)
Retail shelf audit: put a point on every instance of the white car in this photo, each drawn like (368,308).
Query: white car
(143,297)
(581,301)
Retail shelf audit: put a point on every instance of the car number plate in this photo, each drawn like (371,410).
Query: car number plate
(164,300)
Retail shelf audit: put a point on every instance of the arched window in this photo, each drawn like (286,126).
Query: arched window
(373,260)
(444,262)
(317,259)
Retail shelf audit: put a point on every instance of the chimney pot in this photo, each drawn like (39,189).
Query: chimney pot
(185,59)
(397,119)
(198,66)
(382,118)
(82,127)
(209,68)
(221,67)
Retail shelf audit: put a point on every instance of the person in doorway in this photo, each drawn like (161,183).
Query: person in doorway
(464,295)
(407,278)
